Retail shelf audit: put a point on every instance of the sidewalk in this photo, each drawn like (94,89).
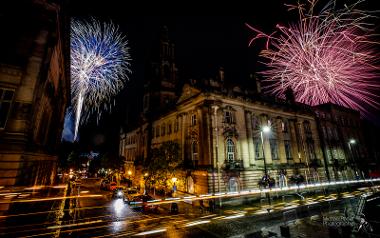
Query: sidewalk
(190,208)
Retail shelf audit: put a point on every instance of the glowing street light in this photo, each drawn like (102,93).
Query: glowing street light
(266,130)
(350,143)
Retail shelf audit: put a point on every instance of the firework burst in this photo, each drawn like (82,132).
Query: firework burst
(99,67)
(324,57)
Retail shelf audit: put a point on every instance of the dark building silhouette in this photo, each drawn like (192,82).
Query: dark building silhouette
(34,90)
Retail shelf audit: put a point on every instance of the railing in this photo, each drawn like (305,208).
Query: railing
(233,165)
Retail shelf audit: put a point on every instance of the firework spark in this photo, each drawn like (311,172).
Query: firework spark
(99,67)
(324,57)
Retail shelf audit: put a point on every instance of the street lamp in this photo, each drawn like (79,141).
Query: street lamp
(129,178)
(350,143)
(266,130)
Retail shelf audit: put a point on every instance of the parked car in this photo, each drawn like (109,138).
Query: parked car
(104,184)
(130,193)
(141,202)
(111,186)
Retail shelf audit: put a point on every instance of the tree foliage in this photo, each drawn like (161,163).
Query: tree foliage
(165,161)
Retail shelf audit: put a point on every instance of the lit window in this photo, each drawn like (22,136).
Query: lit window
(193,120)
(284,126)
(273,148)
(230,145)
(6,97)
(228,118)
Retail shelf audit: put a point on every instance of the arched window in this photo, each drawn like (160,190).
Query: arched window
(230,145)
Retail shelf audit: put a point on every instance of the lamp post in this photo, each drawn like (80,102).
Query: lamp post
(350,143)
(266,130)
(129,178)
(144,184)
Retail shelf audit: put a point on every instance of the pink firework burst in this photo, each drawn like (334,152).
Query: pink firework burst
(328,57)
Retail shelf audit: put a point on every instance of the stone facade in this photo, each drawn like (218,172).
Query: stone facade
(34,91)
(341,138)
(219,133)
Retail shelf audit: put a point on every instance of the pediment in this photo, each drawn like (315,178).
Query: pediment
(188,92)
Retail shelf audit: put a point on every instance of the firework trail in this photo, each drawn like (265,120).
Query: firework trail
(99,67)
(326,57)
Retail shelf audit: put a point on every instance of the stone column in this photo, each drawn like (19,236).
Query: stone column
(294,141)
(242,140)
(302,138)
(251,151)
(280,142)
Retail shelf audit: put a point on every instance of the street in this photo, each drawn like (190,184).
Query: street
(96,214)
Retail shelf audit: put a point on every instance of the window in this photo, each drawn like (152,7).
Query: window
(307,127)
(256,123)
(288,149)
(329,132)
(193,120)
(324,132)
(228,118)
(285,126)
(157,131)
(336,134)
(310,146)
(163,130)
(258,149)
(273,149)
(6,97)
(230,145)
(169,128)
(176,125)
(194,151)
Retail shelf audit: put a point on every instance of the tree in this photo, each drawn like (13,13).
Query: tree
(165,161)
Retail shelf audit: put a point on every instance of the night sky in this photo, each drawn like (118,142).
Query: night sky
(203,44)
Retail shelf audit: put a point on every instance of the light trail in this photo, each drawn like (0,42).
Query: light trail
(51,198)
